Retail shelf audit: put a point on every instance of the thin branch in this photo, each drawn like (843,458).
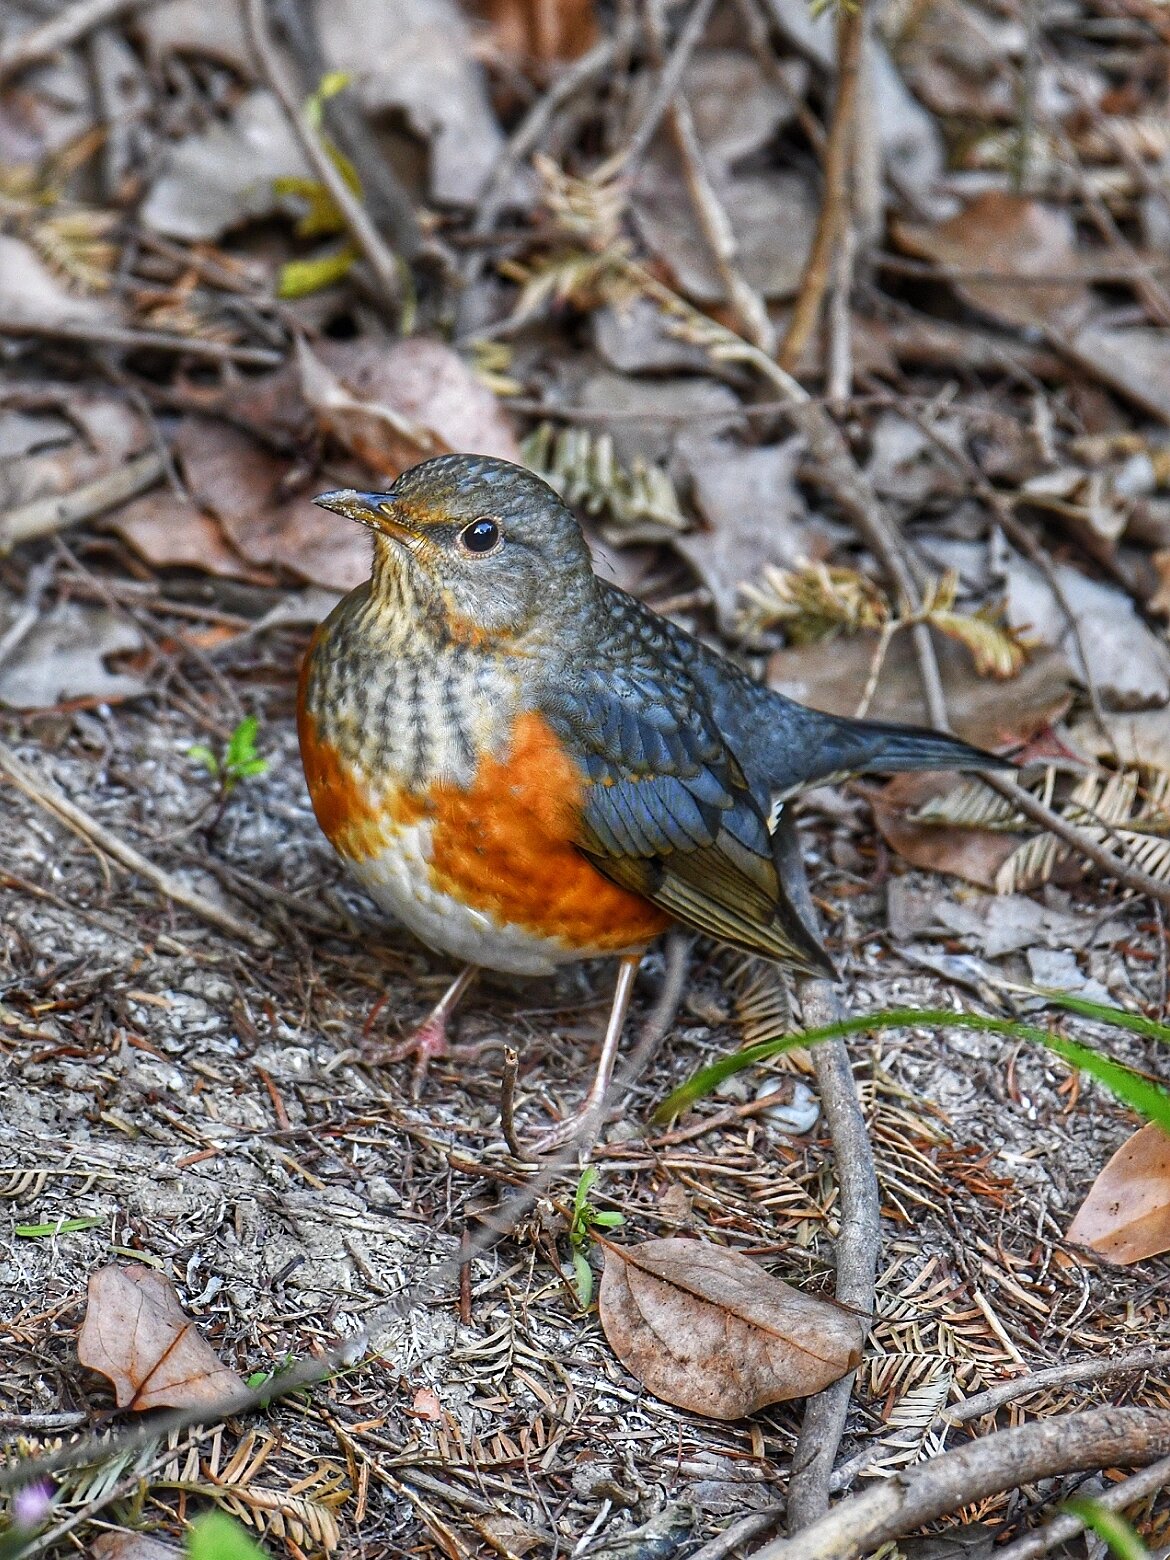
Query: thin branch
(669,80)
(94,333)
(45,516)
(71,24)
(386,274)
(834,214)
(47,795)
(857,1248)
(1076,1372)
(1067,1525)
(1072,1443)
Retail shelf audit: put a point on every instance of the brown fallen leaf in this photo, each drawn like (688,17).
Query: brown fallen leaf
(392,407)
(973,854)
(1126,1216)
(709,1330)
(123,1545)
(546,32)
(1008,235)
(242,485)
(832,676)
(137,1335)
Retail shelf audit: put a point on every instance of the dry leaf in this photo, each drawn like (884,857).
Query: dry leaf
(832,676)
(973,854)
(172,534)
(710,1331)
(63,658)
(131,1546)
(1126,1215)
(1011,235)
(546,32)
(415,57)
(136,1334)
(224,177)
(393,407)
(232,478)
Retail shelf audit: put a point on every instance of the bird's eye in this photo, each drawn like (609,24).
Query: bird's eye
(481,536)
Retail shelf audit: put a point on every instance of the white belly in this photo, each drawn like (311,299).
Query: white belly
(399,879)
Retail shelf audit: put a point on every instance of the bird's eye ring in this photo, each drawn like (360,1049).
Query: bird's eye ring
(481,536)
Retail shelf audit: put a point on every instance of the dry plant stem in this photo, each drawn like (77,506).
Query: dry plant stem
(46,795)
(365,235)
(1072,1443)
(41,43)
(1065,1526)
(45,516)
(1113,866)
(1078,1372)
(386,198)
(93,333)
(717,230)
(858,1245)
(834,214)
(625,160)
(751,1526)
(507,1102)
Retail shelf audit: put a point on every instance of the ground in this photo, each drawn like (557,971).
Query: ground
(212,1106)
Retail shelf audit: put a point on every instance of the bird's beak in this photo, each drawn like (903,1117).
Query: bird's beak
(378,511)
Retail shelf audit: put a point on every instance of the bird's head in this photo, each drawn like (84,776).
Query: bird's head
(482,546)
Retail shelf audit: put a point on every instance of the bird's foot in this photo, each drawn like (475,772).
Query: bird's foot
(424,1043)
(579,1130)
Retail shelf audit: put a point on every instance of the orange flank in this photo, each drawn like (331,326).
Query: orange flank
(506,845)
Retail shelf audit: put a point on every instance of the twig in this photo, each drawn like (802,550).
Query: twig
(718,232)
(387,277)
(834,214)
(41,43)
(1080,1371)
(1073,1443)
(751,1526)
(94,333)
(1067,1525)
(508,1101)
(858,1245)
(47,795)
(685,44)
(388,200)
(44,516)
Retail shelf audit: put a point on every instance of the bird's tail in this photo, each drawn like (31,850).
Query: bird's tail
(841,747)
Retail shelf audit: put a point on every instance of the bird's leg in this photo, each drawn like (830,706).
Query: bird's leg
(579,1124)
(430,1037)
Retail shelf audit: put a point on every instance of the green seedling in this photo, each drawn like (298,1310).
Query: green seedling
(585,1219)
(56,1227)
(217,1537)
(1111,1526)
(240,759)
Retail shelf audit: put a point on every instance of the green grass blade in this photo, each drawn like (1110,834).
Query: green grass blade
(1123,1540)
(1131,1087)
(1105,1013)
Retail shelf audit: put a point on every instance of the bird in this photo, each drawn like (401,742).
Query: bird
(527,766)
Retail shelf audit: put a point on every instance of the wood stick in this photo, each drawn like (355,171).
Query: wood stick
(386,273)
(95,333)
(47,795)
(45,516)
(1067,1525)
(1131,1363)
(1069,1443)
(41,43)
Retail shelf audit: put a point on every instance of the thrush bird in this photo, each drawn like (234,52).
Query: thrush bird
(526,765)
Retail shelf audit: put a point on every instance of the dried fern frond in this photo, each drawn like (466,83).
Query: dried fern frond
(491,362)
(1113,810)
(587,211)
(996,649)
(585,470)
(761,998)
(77,245)
(813,602)
(1119,809)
